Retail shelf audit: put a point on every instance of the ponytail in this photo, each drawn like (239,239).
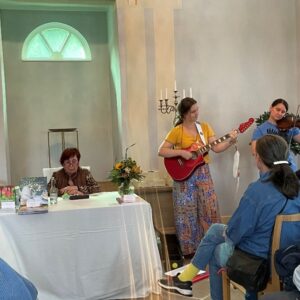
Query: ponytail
(273,151)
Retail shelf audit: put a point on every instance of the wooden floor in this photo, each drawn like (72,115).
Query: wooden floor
(202,294)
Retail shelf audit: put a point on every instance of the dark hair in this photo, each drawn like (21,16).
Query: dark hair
(272,148)
(280,101)
(183,107)
(69,152)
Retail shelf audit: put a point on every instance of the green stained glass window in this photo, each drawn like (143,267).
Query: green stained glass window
(57,42)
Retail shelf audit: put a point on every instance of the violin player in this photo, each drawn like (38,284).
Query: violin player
(278,110)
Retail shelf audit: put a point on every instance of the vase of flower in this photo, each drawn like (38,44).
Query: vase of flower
(126,188)
(123,173)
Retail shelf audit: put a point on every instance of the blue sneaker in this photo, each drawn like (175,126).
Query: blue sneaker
(174,284)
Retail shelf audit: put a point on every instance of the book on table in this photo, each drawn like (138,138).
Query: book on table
(7,198)
(34,196)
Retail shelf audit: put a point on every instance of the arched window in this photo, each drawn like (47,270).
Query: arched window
(55,42)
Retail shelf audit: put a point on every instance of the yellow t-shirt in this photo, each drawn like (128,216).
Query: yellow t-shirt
(181,140)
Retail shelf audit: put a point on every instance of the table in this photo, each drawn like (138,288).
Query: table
(85,249)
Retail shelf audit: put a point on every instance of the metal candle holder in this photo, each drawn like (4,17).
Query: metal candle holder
(165,108)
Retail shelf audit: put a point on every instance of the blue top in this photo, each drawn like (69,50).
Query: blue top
(250,227)
(269,128)
(13,286)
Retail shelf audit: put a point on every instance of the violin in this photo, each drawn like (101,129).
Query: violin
(288,122)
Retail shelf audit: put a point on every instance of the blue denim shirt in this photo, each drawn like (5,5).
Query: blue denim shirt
(250,227)
(13,286)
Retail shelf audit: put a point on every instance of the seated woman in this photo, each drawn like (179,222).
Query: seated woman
(72,179)
(13,286)
(250,227)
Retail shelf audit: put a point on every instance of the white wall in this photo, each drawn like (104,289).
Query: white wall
(43,95)
(237,55)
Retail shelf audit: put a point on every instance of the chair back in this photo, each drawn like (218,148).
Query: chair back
(274,285)
(47,172)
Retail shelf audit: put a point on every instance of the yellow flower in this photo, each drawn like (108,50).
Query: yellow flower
(118,166)
(136,170)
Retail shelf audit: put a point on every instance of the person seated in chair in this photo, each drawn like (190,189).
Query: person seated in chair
(287,295)
(251,225)
(13,286)
(72,179)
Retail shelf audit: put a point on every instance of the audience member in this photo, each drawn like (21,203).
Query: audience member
(13,286)
(290,295)
(250,227)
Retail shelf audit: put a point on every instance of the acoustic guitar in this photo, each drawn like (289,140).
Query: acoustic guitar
(181,169)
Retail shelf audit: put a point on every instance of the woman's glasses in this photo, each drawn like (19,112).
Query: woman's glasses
(72,161)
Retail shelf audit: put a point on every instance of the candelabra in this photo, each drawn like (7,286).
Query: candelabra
(164,106)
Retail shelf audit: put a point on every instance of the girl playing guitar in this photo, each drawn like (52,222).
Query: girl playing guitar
(195,201)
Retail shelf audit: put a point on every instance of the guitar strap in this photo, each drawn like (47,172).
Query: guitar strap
(200,131)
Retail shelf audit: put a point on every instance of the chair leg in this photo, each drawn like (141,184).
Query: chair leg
(225,285)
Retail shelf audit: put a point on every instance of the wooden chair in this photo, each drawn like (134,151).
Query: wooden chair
(274,282)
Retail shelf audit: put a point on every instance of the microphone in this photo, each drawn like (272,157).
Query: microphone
(127,150)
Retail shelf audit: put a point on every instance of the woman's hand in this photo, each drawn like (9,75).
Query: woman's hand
(186,154)
(71,190)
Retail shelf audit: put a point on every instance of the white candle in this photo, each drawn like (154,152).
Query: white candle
(166,93)
(183,93)
(191,94)
(161,96)
(175,86)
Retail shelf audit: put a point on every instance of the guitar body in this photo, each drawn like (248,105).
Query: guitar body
(180,169)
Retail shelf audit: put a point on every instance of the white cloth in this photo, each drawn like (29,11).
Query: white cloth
(296,277)
(85,249)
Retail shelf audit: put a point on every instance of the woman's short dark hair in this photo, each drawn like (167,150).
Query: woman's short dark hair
(183,108)
(280,101)
(273,148)
(69,152)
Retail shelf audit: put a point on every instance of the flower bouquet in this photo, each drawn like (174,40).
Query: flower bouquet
(123,173)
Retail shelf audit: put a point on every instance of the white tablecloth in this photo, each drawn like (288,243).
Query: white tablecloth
(85,249)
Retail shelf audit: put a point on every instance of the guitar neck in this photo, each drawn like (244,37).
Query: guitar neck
(207,147)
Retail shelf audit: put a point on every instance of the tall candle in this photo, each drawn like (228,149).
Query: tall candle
(191,94)
(166,93)
(175,86)
(183,93)
(161,96)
